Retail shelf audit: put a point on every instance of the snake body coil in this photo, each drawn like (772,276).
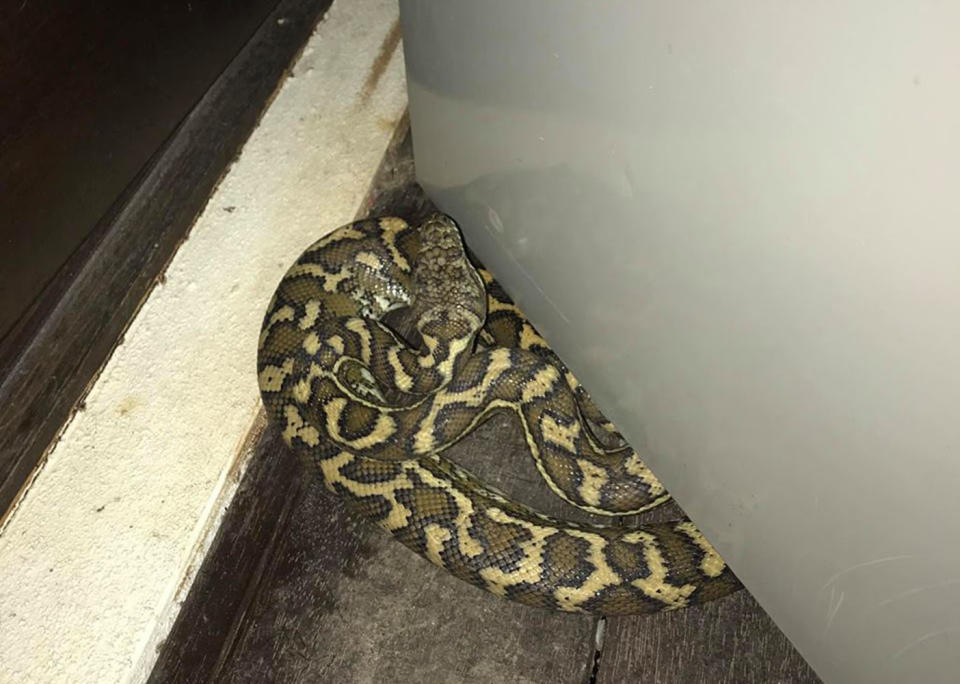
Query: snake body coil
(374,413)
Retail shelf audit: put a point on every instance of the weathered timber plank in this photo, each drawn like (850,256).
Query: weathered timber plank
(729,641)
(344,602)
(246,540)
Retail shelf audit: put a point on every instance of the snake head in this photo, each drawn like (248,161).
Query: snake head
(446,285)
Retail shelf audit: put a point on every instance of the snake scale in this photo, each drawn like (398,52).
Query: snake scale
(374,412)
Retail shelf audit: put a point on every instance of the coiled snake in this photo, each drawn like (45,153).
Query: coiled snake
(374,413)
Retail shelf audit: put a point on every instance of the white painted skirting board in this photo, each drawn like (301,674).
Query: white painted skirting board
(99,553)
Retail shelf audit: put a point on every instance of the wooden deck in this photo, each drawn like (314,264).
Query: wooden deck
(297,589)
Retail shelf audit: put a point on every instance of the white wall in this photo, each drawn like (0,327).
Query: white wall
(738,221)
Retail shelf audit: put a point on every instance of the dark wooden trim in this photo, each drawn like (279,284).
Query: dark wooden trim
(199,643)
(49,359)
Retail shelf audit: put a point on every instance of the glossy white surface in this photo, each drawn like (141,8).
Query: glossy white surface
(738,221)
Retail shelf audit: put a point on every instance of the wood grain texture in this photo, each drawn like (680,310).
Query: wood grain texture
(343,602)
(729,641)
(48,360)
(250,532)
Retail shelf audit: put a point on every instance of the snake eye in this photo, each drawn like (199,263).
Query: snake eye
(359,380)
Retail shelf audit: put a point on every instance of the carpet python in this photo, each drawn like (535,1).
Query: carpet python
(373,413)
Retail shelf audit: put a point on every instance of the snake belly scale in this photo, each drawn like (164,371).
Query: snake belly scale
(372,413)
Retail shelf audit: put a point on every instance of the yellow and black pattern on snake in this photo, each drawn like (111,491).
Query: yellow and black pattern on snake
(373,413)
(506,326)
